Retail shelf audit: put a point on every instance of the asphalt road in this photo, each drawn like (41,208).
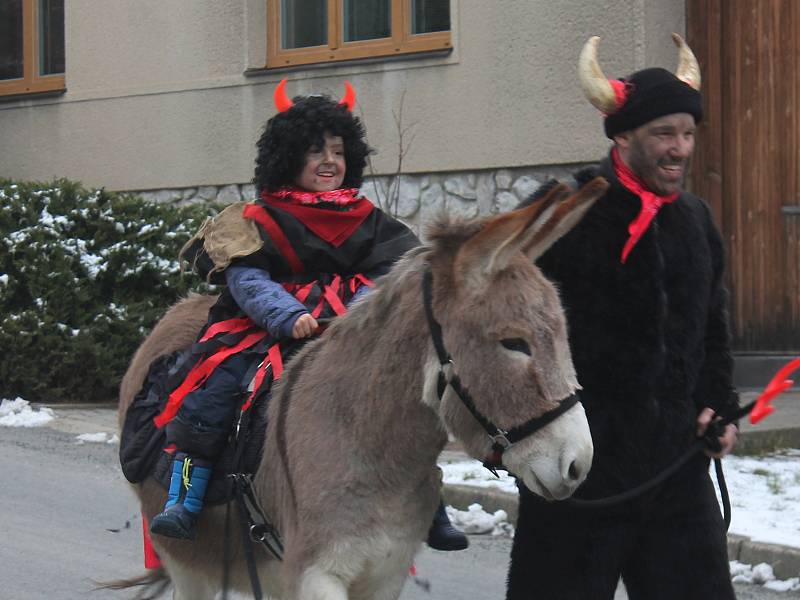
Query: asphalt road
(69,519)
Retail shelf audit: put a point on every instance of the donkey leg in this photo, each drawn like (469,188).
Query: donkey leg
(317,584)
(390,589)
(189,584)
(193,589)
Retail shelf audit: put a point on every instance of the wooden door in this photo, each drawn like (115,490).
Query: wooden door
(747,162)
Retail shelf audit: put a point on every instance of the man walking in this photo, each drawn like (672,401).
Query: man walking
(640,279)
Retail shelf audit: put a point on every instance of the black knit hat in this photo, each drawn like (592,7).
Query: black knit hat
(653,93)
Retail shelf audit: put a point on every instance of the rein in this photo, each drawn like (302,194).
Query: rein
(758,409)
(710,440)
(501,439)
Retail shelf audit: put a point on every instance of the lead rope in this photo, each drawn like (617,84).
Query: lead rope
(709,440)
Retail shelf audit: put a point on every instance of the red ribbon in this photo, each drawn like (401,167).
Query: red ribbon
(275,233)
(778,385)
(151,558)
(651,202)
(622,90)
(342,196)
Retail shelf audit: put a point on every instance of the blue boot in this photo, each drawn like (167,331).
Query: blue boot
(186,491)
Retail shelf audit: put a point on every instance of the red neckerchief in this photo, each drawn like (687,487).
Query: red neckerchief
(334,226)
(342,196)
(651,202)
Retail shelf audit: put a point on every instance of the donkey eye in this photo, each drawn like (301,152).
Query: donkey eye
(516,345)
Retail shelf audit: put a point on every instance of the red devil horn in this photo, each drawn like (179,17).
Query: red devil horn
(349,98)
(282,100)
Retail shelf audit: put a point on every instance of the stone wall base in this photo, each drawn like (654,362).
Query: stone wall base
(416,199)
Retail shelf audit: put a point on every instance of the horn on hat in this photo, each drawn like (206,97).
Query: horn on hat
(595,84)
(281,98)
(349,98)
(688,70)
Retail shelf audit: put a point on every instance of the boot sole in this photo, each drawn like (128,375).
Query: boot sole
(452,544)
(170,529)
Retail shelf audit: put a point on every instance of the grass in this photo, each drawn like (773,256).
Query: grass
(773,481)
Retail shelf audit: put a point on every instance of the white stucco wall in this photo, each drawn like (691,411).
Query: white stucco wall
(158,97)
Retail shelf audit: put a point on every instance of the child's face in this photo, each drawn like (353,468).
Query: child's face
(324,168)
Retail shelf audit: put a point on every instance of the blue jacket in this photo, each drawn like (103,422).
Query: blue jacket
(267,302)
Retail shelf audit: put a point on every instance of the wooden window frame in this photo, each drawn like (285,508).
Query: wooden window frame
(402,41)
(31,82)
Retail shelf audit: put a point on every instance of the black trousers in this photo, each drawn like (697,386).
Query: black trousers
(205,419)
(670,545)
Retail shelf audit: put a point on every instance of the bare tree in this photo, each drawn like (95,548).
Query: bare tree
(390,198)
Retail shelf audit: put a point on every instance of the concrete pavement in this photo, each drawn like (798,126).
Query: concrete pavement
(779,430)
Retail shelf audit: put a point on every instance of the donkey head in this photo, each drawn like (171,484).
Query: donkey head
(504,326)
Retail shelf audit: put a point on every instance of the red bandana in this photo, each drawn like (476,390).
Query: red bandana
(342,196)
(651,202)
(334,225)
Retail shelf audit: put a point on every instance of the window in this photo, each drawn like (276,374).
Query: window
(302,32)
(31,46)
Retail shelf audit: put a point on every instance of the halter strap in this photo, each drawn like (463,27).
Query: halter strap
(501,440)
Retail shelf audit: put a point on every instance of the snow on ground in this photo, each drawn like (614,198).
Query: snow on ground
(765,505)
(471,472)
(476,520)
(765,496)
(764,492)
(18,413)
(102,438)
(762,574)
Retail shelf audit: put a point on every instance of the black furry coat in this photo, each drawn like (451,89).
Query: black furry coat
(649,338)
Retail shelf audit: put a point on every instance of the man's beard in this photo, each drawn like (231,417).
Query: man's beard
(648,169)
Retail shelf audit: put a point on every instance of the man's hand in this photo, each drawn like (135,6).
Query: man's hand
(304,327)
(726,441)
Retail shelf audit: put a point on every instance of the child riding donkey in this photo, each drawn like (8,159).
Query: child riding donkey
(305,249)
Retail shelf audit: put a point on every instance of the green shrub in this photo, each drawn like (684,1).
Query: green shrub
(84,275)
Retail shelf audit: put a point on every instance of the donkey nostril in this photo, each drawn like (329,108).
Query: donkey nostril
(574,471)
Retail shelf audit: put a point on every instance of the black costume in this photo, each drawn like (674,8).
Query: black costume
(649,339)
(310,235)
(323,275)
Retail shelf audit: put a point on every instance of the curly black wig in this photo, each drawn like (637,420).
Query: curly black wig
(289,135)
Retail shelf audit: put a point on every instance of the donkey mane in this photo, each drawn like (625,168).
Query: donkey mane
(444,237)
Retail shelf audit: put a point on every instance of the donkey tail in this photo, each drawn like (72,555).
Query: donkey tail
(153,584)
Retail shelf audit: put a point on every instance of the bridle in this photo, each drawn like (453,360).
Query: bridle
(501,439)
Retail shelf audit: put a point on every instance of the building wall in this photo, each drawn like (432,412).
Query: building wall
(169,95)
(414,198)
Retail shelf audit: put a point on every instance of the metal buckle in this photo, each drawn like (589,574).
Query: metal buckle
(447,370)
(501,440)
(258,532)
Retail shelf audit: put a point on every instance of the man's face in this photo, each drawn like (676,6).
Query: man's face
(660,151)
(324,168)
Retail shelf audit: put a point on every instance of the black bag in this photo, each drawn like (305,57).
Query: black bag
(141,442)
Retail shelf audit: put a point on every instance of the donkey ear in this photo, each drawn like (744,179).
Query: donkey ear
(559,220)
(490,250)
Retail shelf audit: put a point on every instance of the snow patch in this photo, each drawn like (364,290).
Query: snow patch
(475,474)
(18,413)
(475,520)
(762,574)
(764,492)
(101,437)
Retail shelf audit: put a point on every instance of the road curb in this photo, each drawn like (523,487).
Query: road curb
(785,560)
(755,442)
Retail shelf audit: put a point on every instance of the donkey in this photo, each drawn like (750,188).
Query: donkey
(356,423)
